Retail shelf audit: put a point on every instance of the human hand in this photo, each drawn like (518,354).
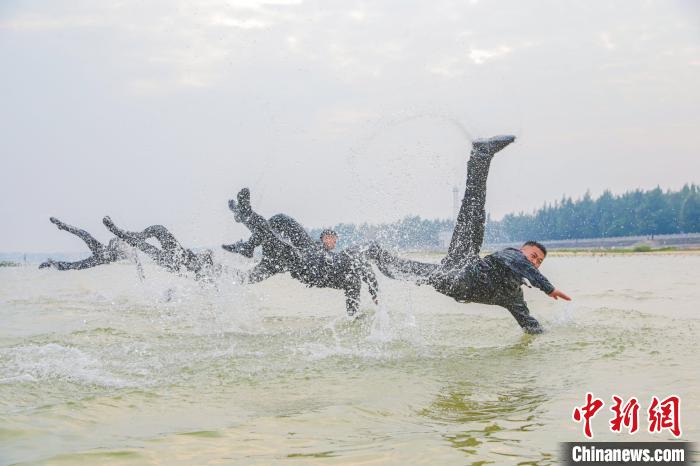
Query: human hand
(556,294)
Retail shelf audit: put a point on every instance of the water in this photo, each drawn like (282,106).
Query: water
(97,367)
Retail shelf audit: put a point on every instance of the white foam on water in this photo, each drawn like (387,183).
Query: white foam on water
(287,356)
(17,379)
(381,333)
(54,361)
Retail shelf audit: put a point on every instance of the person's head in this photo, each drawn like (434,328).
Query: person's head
(535,252)
(329,238)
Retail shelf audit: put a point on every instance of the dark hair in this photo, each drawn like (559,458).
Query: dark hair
(537,245)
(327,232)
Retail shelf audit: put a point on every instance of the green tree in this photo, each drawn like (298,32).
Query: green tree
(690,213)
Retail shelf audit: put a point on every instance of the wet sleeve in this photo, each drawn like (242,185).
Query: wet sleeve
(352,299)
(518,309)
(538,280)
(527,270)
(370,278)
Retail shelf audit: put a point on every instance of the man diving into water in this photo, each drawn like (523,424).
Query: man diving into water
(101,254)
(286,228)
(307,261)
(171,255)
(342,271)
(463,274)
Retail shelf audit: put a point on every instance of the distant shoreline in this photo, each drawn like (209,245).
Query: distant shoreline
(653,244)
(637,251)
(623,251)
(437,255)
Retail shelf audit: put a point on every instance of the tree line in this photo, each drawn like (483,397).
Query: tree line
(633,213)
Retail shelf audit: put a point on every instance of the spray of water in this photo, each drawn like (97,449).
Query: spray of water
(567,314)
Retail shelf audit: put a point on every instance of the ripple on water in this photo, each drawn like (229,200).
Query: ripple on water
(97,457)
(279,375)
(38,363)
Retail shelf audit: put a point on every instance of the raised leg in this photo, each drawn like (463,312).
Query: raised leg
(393,266)
(165,238)
(171,256)
(283,225)
(468,234)
(95,246)
(288,227)
(135,239)
(260,227)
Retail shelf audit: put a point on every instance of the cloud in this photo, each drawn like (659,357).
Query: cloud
(251,4)
(606,41)
(230,21)
(481,56)
(358,15)
(42,24)
(457,65)
(176,79)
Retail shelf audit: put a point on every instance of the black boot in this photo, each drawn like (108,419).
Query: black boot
(492,145)
(112,227)
(241,209)
(243,248)
(58,223)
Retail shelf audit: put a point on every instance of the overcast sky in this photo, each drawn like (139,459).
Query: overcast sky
(332,111)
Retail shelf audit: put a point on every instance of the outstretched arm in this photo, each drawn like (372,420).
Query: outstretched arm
(517,262)
(556,294)
(368,276)
(358,256)
(534,276)
(352,299)
(90,262)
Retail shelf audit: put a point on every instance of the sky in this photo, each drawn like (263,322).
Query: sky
(157,112)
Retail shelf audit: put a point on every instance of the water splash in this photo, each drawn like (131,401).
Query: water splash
(567,314)
(55,361)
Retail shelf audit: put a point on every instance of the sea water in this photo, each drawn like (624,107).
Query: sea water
(99,367)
